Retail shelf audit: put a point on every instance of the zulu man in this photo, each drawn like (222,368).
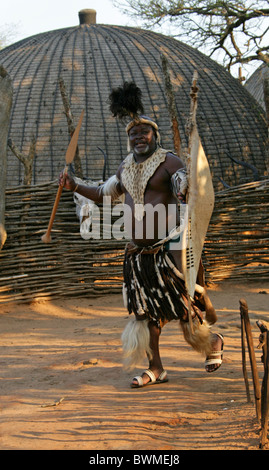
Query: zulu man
(153,289)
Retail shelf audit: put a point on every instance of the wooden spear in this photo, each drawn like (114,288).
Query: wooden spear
(69,156)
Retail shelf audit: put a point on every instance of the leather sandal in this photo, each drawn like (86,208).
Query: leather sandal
(215,357)
(153,380)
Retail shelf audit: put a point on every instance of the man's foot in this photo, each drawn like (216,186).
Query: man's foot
(214,360)
(148,377)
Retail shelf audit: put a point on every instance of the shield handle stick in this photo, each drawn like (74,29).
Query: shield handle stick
(69,156)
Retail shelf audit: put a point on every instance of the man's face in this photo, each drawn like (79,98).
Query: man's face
(142,139)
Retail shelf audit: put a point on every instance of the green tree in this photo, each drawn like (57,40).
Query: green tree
(233,32)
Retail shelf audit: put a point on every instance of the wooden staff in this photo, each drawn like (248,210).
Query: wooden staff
(255,377)
(265,392)
(244,357)
(69,156)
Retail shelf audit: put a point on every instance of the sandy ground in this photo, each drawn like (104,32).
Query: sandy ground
(63,386)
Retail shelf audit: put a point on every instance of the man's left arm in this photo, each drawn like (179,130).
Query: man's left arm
(177,171)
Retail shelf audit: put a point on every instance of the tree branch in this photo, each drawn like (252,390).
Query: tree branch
(27,161)
(216,24)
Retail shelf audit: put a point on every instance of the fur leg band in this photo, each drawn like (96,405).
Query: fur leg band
(198,336)
(135,342)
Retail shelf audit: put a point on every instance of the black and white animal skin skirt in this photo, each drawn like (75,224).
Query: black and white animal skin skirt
(152,287)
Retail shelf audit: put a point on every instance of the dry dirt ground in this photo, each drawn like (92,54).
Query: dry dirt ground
(63,386)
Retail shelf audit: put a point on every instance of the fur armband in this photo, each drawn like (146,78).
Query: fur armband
(110,187)
(179,182)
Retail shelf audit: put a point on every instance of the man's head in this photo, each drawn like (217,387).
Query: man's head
(143,135)
(126,101)
(142,139)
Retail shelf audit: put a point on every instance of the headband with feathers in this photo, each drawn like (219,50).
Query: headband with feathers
(126,101)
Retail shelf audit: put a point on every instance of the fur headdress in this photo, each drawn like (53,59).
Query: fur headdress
(126,101)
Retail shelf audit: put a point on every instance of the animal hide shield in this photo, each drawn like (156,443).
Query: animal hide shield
(200,200)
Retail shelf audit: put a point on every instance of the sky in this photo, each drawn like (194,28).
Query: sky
(28,17)
(20,19)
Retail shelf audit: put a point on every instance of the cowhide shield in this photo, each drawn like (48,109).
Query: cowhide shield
(200,201)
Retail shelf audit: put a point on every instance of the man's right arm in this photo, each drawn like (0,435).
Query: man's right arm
(95,193)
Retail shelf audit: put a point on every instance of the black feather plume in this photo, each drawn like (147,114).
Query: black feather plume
(126,101)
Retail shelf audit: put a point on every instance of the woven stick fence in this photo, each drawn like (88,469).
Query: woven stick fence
(236,246)
(68,266)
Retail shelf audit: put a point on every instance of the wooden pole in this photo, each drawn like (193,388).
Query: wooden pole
(265,392)
(255,377)
(6,95)
(266,100)
(171,105)
(245,375)
(71,126)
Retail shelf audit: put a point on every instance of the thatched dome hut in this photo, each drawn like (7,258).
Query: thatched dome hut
(92,58)
(255,84)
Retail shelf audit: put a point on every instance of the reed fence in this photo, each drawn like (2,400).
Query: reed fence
(237,243)
(236,247)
